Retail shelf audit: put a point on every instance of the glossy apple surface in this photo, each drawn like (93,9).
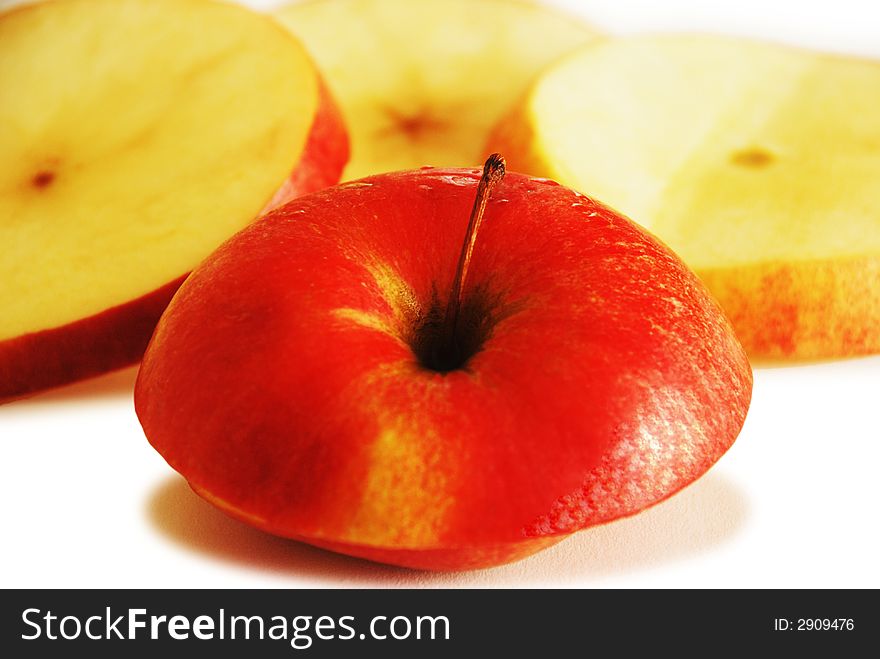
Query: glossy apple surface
(128,152)
(292,378)
(756,163)
(422,83)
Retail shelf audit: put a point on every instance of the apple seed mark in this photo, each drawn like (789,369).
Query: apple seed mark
(414,126)
(43,179)
(752,158)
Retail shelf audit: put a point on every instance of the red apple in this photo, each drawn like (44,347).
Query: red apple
(137,152)
(304,378)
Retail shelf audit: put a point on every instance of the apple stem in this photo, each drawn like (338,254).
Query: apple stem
(493,172)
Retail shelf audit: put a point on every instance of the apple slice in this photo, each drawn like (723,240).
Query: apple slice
(135,137)
(758,164)
(331,375)
(422,83)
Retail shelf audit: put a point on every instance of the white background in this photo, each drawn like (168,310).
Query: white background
(87,502)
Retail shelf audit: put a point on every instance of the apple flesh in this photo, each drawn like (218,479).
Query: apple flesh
(130,151)
(756,163)
(422,83)
(295,379)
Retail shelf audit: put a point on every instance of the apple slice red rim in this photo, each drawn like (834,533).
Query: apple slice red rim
(291,379)
(765,184)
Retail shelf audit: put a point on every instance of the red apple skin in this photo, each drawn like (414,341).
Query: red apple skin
(117,337)
(280,382)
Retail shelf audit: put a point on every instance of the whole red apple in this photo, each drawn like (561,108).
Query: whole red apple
(307,380)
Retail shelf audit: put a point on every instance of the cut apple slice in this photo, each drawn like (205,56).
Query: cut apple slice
(134,138)
(757,163)
(422,83)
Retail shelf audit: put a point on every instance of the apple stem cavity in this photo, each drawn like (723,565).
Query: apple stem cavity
(446,339)
(493,172)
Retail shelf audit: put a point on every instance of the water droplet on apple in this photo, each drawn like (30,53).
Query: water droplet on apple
(453,179)
(425,187)
(356,184)
(544,181)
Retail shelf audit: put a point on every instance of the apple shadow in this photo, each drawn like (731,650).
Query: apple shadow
(703,516)
(195,525)
(118,384)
